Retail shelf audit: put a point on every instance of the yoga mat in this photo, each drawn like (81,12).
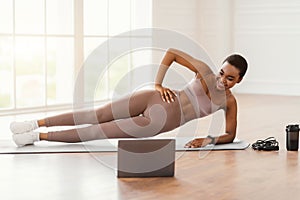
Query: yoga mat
(108,145)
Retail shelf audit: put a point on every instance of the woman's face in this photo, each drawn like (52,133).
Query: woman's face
(228,76)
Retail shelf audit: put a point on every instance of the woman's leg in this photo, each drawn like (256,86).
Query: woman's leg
(158,117)
(105,130)
(125,107)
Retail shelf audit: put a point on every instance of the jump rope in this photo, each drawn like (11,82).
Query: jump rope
(269,144)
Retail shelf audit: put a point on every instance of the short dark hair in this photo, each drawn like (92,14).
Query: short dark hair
(239,62)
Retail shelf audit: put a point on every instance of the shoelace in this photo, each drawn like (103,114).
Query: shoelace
(269,144)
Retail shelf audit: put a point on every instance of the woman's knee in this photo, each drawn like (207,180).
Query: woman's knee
(104,114)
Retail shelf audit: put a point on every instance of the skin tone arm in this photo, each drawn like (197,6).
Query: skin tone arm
(174,55)
(231,123)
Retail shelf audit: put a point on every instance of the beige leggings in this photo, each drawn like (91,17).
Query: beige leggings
(143,114)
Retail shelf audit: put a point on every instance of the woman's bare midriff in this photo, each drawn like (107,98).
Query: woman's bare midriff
(187,107)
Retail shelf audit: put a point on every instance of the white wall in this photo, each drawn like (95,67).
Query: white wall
(266,32)
(179,16)
(215,28)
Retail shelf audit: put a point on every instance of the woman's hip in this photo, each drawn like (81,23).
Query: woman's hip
(170,114)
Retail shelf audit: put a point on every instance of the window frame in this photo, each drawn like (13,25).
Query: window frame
(78,38)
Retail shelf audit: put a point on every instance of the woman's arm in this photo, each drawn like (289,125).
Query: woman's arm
(174,55)
(231,122)
(230,130)
(197,66)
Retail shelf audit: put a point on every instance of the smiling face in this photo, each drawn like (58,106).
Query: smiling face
(228,76)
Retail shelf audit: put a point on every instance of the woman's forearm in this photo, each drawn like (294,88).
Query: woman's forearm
(161,75)
(163,67)
(203,141)
(225,138)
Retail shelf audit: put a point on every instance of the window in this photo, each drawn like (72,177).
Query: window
(44,42)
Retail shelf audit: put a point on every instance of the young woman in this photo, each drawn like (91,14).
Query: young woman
(148,113)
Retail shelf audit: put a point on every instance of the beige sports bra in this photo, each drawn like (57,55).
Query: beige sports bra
(202,104)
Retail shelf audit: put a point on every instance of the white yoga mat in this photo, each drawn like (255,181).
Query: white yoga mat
(108,145)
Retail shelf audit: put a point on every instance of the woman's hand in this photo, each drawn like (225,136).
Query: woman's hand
(167,94)
(198,142)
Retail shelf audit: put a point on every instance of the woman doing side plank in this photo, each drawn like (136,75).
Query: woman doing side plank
(150,112)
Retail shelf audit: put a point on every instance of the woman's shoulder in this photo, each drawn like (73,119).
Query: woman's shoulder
(230,100)
(203,70)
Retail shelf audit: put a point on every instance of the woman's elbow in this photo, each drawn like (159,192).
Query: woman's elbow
(231,137)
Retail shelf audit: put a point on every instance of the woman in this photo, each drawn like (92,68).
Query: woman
(148,113)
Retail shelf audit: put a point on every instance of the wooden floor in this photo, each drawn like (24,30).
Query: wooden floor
(245,174)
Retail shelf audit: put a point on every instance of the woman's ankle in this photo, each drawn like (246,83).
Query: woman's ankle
(41,122)
(43,136)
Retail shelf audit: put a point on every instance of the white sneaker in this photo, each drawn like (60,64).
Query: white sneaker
(26,138)
(23,127)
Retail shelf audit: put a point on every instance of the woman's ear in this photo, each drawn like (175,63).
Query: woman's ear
(240,79)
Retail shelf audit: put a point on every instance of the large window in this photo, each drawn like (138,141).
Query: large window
(43,43)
